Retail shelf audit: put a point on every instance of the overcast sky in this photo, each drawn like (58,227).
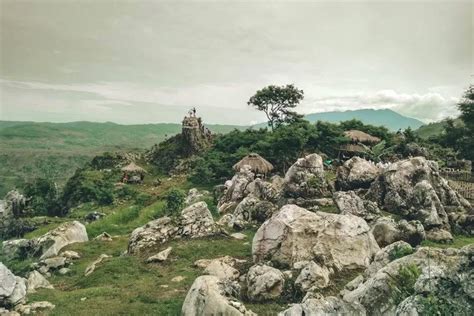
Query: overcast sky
(149,61)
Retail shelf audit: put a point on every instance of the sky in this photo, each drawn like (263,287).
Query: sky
(136,62)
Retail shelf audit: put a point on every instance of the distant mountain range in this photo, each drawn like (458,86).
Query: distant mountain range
(385,117)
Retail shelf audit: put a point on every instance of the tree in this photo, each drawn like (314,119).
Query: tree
(276,102)
(175,200)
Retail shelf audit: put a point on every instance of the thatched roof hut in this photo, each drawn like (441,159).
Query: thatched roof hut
(361,137)
(133,168)
(256,162)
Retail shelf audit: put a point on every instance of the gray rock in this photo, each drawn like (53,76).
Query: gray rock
(161,256)
(305,178)
(211,296)
(264,283)
(356,173)
(324,306)
(341,242)
(348,202)
(386,231)
(313,276)
(36,281)
(195,221)
(251,210)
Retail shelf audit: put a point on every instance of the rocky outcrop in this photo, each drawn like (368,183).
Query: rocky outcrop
(313,276)
(264,283)
(348,202)
(47,245)
(251,209)
(194,221)
(36,281)
(236,190)
(445,275)
(305,178)
(194,196)
(294,234)
(386,231)
(356,173)
(195,136)
(222,269)
(324,306)
(12,288)
(210,295)
(414,189)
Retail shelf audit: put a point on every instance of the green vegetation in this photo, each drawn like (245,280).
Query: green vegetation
(55,150)
(175,201)
(403,284)
(459,241)
(400,251)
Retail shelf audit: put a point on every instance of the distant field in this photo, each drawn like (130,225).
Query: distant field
(56,150)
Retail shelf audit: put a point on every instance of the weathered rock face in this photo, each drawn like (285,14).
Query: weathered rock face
(305,178)
(313,276)
(441,273)
(414,188)
(236,189)
(195,136)
(324,306)
(263,190)
(386,231)
(222,269)
(194,221)
(294,234)
(194,196)
(251,209)
(36,280)
(211,296)
(356,173)
(264,283)
(12,288)
(348,202)
(14,204)
(49,244)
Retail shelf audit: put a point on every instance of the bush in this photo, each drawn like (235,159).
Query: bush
(402,285)
(174,201)
(43,197)
(400,251)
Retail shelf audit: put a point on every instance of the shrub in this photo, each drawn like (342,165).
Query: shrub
(402,285)
(175,201)
(400,251)
(43,197)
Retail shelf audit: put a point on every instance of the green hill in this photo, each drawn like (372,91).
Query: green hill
(56,150)
(434,129)
(385,117)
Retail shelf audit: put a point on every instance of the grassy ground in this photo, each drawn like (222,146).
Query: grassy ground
(458,242)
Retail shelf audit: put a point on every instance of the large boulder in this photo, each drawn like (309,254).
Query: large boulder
(305,178)
(442,274)
(210,295)
(194,221)
(294,234)
(387,231)
(313,276)
(348,202)
(47,245)
(413,188)
(356,173)
(12,288)
(264,283)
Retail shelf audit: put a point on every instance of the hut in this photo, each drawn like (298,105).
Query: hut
(257,163)
(360,137)
(359,144)
(133,173)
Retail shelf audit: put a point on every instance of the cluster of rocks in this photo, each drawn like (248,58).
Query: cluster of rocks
(193,222)
(13,290)
(384,215)
(412,190)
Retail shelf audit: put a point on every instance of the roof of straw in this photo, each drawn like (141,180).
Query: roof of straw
(256,162)
(132,167)
(361,137)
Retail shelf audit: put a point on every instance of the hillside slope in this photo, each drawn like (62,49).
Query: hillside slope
(56,150)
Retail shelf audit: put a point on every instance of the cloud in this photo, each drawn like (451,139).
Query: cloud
(427,107)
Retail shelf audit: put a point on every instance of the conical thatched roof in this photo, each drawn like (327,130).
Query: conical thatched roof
(361,137)
(132,167)
(256,162)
